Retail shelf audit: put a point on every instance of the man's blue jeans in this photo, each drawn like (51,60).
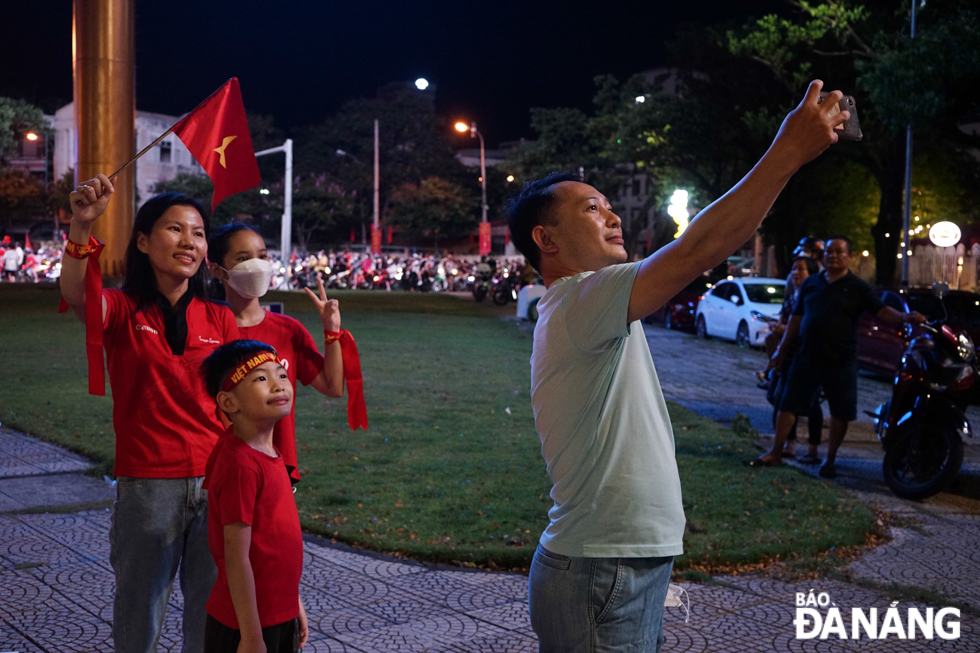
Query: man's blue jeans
(158,526)
(598,604)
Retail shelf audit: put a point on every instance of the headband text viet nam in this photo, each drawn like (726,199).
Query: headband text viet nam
(240,372)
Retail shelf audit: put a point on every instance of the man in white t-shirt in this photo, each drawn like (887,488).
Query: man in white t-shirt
(12,259)
(599,576)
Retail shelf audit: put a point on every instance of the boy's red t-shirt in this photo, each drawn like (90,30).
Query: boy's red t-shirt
(164,420)
(246,485)
(303,362)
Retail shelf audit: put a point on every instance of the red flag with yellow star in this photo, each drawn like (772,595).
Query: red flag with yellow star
(216,133)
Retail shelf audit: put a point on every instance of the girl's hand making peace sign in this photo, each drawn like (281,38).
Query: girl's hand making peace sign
(329,309)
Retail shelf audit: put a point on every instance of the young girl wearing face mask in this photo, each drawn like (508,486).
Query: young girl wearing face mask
(238,258)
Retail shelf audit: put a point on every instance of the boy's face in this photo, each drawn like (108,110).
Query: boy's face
(265,394)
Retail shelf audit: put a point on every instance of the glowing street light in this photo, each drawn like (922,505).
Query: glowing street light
(462,127)
(510,178)
(640,99)
(31,136)
(421,83)
(678,210)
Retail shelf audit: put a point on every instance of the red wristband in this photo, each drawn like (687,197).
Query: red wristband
(75,250)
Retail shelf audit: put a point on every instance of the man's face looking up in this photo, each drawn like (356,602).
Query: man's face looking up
(589,236)
(838,257)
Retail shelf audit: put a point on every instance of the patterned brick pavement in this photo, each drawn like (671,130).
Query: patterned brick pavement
(56,593)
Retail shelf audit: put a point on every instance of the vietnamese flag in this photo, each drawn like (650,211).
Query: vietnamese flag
(216,133)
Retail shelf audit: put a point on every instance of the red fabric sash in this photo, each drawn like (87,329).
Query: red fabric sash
(356,409)
(93,312)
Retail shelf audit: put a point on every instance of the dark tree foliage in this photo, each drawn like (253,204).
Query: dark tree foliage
(930,82)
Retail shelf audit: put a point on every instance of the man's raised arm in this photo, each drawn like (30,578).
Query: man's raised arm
(728,223)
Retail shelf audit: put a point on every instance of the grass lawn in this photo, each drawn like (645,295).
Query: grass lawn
(450,469)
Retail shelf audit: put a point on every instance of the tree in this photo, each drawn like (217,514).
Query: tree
(22,198)
(321,209)
(16,119)
(434,207)
(930,82)
(414,144)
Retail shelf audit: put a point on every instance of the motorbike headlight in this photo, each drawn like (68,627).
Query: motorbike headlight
(965,347)
(470,278)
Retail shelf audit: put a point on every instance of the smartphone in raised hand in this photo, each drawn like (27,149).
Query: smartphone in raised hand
(850,129)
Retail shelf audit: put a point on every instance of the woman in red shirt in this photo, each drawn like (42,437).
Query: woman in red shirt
(156,331)
(238,258)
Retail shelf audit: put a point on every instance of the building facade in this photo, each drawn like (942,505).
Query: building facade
(168,159)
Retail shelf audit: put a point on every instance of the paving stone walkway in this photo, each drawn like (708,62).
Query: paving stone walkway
(56,595)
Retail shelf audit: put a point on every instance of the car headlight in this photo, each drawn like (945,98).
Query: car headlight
(965,347)
(756,315)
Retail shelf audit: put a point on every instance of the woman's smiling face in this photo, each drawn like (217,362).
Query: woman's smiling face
(176,245)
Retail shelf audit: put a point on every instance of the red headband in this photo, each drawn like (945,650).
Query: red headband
(239,373)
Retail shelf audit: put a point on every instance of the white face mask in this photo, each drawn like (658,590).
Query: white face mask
(250,278)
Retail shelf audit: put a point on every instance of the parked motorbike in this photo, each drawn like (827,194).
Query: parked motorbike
(303,278)
(505,289)
(923,425)
(338,280)
(481,288)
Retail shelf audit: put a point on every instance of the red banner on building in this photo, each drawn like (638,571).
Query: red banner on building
(484,238)
(375,239)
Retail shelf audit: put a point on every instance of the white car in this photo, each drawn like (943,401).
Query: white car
(740,309)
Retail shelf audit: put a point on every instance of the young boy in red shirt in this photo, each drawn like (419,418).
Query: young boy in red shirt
(253,526)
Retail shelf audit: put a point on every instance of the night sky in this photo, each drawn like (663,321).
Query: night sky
(300,60)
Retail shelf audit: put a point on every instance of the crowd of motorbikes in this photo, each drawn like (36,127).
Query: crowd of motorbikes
(486,278)
(42,264)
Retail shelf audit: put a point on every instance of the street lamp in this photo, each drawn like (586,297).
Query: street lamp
(31,136)
(474,132)
(285,234)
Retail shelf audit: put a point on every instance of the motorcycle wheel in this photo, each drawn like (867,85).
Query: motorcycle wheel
(480,293)
(919,465)
(501,296)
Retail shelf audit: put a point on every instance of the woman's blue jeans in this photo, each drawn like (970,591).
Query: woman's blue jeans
(159,525)
(598,604)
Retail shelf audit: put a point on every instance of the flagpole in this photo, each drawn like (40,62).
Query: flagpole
(142,152)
